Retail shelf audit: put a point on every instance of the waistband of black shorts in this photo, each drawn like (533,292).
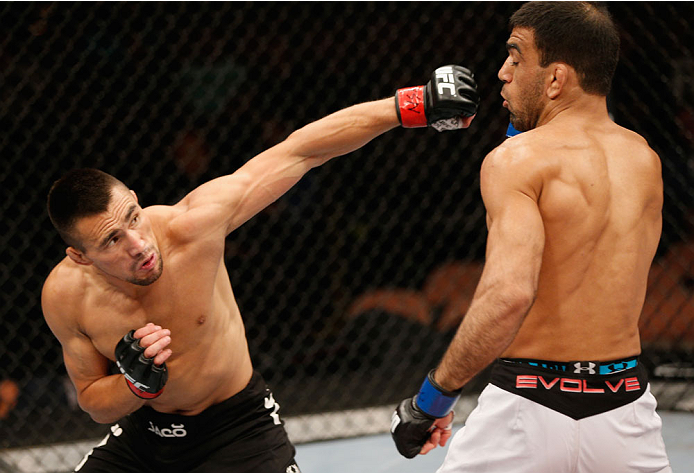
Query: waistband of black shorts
(579,367)
(254,392)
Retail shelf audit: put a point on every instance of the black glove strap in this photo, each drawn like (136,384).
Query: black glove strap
(145,379)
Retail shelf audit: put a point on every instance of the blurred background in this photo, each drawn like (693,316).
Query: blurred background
(352,284)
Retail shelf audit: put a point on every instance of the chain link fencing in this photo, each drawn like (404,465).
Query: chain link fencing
(352,284)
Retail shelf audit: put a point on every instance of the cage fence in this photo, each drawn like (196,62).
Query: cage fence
(352,284)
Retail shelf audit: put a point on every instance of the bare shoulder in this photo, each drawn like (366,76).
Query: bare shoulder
(174,222)
(521,159)
(160,214)
(522,150)
(636,147)
(193,217)
(62,296)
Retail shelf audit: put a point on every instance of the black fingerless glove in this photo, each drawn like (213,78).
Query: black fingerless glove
(145,379)
(413,418)
(450,95)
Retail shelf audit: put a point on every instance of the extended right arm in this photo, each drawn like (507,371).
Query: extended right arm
(448,101)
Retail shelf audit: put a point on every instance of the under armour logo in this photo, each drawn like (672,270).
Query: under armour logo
(584,367)
(293,469)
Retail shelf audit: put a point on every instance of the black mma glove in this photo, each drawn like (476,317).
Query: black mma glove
(450,95)
(145,379)
(414,417)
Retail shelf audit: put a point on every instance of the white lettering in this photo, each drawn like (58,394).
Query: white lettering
(271,404)
(445,80)
(450,87)
(176,430)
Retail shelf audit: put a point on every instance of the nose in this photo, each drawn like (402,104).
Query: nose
(505,73)
(136,244)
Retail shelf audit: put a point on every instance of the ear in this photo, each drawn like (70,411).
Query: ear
(77,256)
(559,79)
(134,195)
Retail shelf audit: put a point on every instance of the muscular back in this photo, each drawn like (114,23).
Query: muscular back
(600,200)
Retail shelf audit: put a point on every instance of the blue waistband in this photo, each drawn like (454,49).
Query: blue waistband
(582,367)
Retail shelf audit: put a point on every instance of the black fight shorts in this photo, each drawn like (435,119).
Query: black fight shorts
(243,434)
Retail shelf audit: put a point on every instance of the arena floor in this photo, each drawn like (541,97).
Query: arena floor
(377,454)
(370,453)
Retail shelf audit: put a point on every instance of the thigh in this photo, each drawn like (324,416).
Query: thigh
(277,458)
(510,434)
(259,444)
(112,455)
(629,436)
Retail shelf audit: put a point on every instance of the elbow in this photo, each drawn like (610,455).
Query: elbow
(520,300)
(516,301)
(103,417)
(98,415)
(311,153)
(95,414)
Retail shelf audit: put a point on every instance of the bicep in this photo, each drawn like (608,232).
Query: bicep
(516,236)
(84,364)
(83,361)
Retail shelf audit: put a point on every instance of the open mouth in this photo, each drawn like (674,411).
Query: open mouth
(149,263)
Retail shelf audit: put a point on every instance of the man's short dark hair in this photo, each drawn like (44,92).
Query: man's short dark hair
(79,193)
(580,34)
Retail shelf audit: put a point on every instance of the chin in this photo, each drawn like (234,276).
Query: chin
(521,125)
(151,278)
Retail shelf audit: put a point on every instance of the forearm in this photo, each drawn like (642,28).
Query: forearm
(344,131)
(109,399)
(488,328)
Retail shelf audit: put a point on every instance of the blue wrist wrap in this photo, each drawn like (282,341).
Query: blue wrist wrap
(433,400)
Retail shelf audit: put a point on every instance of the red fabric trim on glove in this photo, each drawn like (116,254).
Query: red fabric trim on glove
(143,394)
(411,107)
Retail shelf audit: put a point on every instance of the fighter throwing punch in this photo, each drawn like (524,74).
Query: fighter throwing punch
(574,219)
(146,289)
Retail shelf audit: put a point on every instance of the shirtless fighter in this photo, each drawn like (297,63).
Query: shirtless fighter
(574,218)
(147,289)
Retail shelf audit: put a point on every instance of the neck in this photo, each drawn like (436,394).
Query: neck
(582,106)
(112,284)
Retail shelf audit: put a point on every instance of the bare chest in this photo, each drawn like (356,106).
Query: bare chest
(189,304)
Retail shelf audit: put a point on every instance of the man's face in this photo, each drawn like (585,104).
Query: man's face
(523,90)
(120,242)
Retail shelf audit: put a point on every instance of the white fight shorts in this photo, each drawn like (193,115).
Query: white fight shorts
(510,433)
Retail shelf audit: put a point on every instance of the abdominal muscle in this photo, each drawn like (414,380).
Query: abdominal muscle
(211,367)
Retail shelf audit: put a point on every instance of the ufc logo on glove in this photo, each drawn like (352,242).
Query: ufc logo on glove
(445,80)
